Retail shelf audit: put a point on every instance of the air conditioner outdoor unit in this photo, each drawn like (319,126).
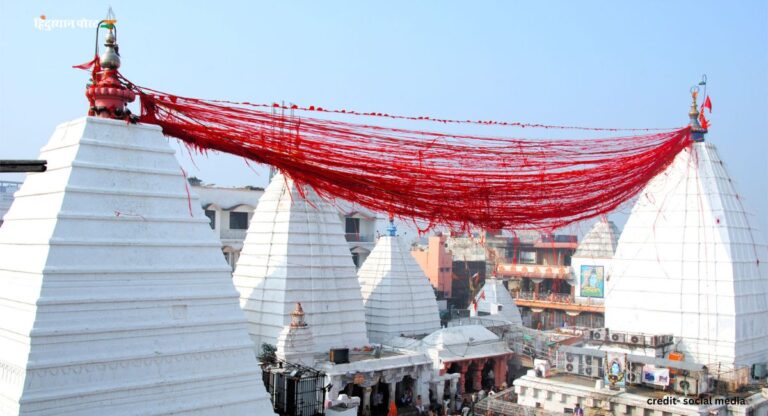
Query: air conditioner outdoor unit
(598,334)
(591,366)
(652,340)
(635,339)
(618,337)
(635,374)
(597,367)
(572,363)
(688,386)
(759,371)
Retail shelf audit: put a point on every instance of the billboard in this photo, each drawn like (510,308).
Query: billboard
(655,376)
(592,282)
(615,367)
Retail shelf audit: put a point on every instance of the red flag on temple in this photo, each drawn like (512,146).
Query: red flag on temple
(703,121)
(707,104)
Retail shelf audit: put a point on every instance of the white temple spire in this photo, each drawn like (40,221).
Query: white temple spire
(690,263)
(295,251)
(116,298)
(398,296)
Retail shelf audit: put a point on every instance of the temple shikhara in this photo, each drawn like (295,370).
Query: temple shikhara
(123,295)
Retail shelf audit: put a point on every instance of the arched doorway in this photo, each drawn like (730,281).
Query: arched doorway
(404,392)
(488,375)
(469,378)
(380,399)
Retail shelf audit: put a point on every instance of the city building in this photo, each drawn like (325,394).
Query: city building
(230,210)
(116,299)
(437,263)
(359,230)
(471,262)
(537,268)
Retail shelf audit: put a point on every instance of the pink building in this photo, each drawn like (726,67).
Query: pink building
(436,262)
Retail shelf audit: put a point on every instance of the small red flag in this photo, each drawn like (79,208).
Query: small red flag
(88,65)
(482,294)
(707,104)
(474,305)
(703,121)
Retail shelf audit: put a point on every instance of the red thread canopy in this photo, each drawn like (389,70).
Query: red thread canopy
(456,180)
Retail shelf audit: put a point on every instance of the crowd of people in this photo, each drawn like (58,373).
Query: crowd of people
(462,404)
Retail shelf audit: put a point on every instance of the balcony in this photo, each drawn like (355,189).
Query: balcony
(359,238)
(562,301)
(534,271)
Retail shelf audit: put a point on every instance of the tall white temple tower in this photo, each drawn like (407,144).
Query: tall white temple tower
(689,263)
(399,300)
(295,252)
(116,299)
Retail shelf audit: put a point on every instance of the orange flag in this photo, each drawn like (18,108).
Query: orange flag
(392,409)
(703,121)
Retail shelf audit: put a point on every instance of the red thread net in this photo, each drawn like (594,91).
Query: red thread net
(455,180)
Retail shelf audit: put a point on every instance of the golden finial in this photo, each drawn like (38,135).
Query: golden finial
(694,113)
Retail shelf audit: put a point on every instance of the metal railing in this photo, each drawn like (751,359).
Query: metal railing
(505,403)
(565,298)
(552,297)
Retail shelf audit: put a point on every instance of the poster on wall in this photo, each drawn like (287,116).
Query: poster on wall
(615,366)
(655,376)
(592,282)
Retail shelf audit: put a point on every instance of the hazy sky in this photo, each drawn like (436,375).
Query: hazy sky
(587,63)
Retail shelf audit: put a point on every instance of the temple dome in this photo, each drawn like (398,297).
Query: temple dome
(494,299)
(689,263)
(397,295)
(116,298)
(600,242)
(295,252)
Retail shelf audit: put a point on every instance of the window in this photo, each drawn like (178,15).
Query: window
(527,257)
(238,220)
(352,225)
(212,216)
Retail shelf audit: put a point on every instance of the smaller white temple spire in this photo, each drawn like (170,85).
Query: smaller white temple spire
(296,344)
(399,300)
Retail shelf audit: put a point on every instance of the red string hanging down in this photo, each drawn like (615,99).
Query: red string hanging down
(455,180)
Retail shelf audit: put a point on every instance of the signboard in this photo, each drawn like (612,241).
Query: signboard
(615,367)
(592,281)
(655,376)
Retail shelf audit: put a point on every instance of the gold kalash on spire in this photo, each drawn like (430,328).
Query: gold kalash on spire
(697,130)
(107,95)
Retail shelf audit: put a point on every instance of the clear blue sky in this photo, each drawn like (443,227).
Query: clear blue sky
(589,63)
